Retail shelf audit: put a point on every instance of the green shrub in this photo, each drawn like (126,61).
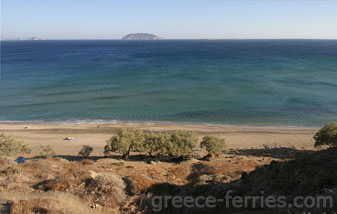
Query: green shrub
(10,147)
(85,151)
(213,144)
(178,144)
(156,143)
(47,151)
(327,136)
(126,141)
(181,143)
(107,149)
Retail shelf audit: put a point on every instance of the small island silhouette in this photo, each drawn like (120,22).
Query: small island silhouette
(141,36)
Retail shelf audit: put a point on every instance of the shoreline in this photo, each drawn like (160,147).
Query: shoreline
(145,122)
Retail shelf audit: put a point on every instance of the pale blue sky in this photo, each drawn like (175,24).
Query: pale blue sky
(171,19)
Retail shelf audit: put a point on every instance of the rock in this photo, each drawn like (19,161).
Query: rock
(151,162)
(93,174)
(205,178)
(95,206)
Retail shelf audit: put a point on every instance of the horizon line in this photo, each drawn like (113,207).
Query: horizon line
(206,39)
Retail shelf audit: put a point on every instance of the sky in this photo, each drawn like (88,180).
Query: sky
(170,19)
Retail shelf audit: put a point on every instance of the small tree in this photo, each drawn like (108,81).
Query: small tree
(11,147)
(181,143)
(327,136)
(213,144)
(156,143)
(47,151)
(85,151)
(107,149)
(126,141)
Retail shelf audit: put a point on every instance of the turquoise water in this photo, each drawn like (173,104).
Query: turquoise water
(240,82)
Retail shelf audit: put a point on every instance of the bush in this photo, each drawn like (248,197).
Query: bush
(107,149)
(108,189)
(327,136)
(47,151)
(85,151)
(181,143)
(156,144)
(213,144)
(125,141)
(9,171)
(60,184)
(10,147)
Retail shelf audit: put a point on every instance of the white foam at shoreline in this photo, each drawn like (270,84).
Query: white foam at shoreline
(99,121)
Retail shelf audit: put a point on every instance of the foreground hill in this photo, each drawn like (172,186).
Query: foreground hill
(113,185)
(311,175)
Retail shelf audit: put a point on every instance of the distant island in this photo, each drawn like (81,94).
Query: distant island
(25,39)
(141,36)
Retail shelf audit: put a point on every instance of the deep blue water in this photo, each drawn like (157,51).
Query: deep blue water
(245,82)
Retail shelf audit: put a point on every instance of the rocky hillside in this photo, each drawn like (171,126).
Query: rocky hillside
(113,185)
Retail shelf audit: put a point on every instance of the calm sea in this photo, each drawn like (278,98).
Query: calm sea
(242,82)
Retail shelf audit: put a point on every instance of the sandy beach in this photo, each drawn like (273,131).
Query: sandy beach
(96,135)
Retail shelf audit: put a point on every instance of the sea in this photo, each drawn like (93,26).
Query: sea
(228,82)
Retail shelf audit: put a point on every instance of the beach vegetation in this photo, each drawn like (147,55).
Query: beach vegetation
(85,151)
(11,147)
(181,143)
(327,136)
(156,144)
(107,149)
(126,141)
(213,144)
(178,144)
(47,151)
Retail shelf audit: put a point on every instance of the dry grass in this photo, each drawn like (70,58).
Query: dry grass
(49,203)
(58,184)
(6,162)
(138,183)
(87,162)
(106,190)
(9,171)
